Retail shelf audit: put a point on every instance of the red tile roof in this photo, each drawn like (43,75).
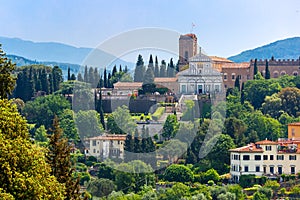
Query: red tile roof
(295,124)
(249,148)
(165,79)
(128,84)
(220,59)
(109,137)
(236,65)
(265,142)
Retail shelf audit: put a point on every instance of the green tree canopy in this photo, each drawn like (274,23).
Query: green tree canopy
(178,173)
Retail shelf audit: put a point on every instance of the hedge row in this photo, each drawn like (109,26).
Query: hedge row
(158,113)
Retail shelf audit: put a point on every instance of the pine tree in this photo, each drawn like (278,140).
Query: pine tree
(128,148)
(126,69)
(73,77)
(120,68)
(255,70)
(69,74)
(139,69)
(59,159)
(267,75)
(162,72)
(156,68)
(7,81)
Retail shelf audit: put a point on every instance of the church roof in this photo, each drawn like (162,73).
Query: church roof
(200,57)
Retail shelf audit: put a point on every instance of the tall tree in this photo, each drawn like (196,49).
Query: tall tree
(255,70)
(109,81)
(7,81)
(96,77)
(69,73)
(24,173)
(151,63)
(156,68)
(237,82)
(149,76)
(162,72)
(44,81)
(91,77)
(57,78)
(242,94)
(105,78)
(114,71)
(170,127)
(99,107)
(85,75)
(126,69)
(120,68)
(139,69)
(59,159)
(267,75)
(79,77)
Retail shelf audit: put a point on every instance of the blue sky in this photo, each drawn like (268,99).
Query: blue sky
(223,27)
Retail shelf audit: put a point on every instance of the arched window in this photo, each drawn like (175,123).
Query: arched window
(275,74)
(233,76)
(282,73)
(295,73)
(225,76)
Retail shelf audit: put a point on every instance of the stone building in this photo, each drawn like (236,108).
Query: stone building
(278,67)
(187,48)
(200,77)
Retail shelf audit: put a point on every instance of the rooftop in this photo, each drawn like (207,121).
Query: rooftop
(295,124)
(266,142)
(236,65)
(108,137)
(220,59)
(165,79)
(249,148)
(128,84)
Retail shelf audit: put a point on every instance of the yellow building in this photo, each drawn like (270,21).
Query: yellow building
(294,131)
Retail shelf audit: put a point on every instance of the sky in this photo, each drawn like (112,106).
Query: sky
(223,27)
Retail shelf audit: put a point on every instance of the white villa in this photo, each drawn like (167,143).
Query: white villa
(105,146)
(200,77)
(267,157)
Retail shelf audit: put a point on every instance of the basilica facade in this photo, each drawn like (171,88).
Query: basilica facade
(200,77)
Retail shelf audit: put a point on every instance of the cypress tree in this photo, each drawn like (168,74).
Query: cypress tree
(151,63)
(255,70)
(44,81)
(50,79)
(120,68)
(96,77)
(162,72)
(139,69)
(79,77)
(109,81)
(126,69)
(57,78)
(85,75)
(149,76)
(114,71)
(69,74)
(156,68)
(128,148)
(105,78)
(267,75)
(237,82)
(242,94)
(91,77)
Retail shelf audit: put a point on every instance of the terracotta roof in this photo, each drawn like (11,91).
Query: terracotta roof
(295,124)
(220,59)
(249,148)
(192,35)
(264,142)
(236,65)
(128,84)
(165,79)
(108,137)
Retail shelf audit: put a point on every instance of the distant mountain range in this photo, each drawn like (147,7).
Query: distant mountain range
(282,49)
(52,53)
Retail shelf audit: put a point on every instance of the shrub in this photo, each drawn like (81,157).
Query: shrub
(178,173)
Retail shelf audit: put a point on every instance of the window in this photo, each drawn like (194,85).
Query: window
(295,73)
(257,168)
(236,157)
(271,157)
(248,77)
(183,88)
(265,169)
(246,168)
(292,157)
(275,74)
(257,157)
(94,150)
(293,132)
(265,157)
(233,76)
(94,143)
(246,157)
(225,77)
(279,169)
(282,73)
(272,169)
(292,169)
(186,55)
(280,157)
(268,148)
